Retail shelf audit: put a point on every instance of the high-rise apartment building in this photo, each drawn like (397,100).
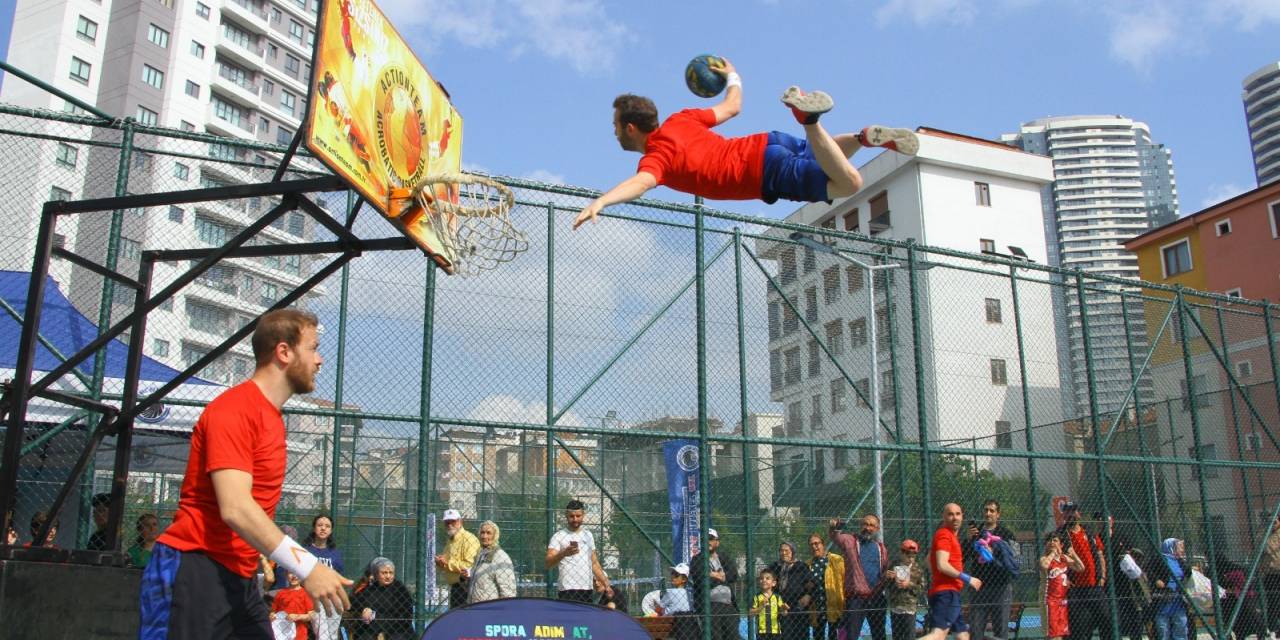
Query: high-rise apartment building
(1261,95)
(1111,183)
(233,68)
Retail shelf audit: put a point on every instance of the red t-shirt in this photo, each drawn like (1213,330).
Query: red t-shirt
(944,539)
(1080,542)
(686,155)
(293,601)
(240,430)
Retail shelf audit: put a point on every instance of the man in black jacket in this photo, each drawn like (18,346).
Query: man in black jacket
(723,574)
(991,604)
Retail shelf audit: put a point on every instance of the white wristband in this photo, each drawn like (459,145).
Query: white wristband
(294,558)
(734,80)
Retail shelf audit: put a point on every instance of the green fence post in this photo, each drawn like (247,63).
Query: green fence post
(748,477)
(1026,403)
(918,353)
(549,483)
(1097,444)
(894,385)
(1206,519)
(704,451)
(1275,387)
(1137,413)
(339,385)
(423,507)
(1235,421)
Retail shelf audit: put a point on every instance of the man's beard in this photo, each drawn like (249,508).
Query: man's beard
(299,380)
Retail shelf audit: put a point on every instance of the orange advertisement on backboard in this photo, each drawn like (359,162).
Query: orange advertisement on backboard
(375,116)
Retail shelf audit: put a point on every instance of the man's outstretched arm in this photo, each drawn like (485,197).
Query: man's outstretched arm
(625,191)
(732,103)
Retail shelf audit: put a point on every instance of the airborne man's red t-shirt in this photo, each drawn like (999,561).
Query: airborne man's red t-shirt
(240,430)
(686,155)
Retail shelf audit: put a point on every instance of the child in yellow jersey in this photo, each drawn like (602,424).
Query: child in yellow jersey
(767,608)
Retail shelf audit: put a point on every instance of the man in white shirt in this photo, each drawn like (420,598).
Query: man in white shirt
(573,549)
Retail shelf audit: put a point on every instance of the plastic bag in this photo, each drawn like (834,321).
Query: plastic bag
(1201,590)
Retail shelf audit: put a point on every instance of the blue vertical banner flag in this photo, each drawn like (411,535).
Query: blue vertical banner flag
(681,457)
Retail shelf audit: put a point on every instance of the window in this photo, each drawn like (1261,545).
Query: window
(80,70)
(982,194)
(1207,452)
(993,311)
(210,232)
(268,87)
(1223,227)
(790,323)
(234,114)
(787,266)
(202,10)
(292,65)
(292,264)
(66,155)
(851,221)
(159,348)
(270,293)
(815,359)
(999,374)
(272,51)
(791,357)
(886,389)
(1244,368)
(837,389)
(1202,396)
(158,36)
(830,285)
(835,337)
(264,125)
(863,387)
(811,304)
(192,89)
(795,418)
(58,193)
(1004,435)
(1235,293)
(296,31)
(181,171)
(1176,258)
(810,260)
(858,332)
(297,223)
(1253,442)
(775,320)
(986,245)
(1274,210)
(146,116)
(130,249)
(288,101)
(879,220)
(775,370)
(276,14)
(283,136)
(197,49)
(186,126)
(176,214)
(815,416)
(854,277)
(86,29)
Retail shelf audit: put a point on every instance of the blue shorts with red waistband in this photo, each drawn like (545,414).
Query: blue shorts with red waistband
(791,172)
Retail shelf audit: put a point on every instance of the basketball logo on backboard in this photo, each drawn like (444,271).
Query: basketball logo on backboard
(400,127)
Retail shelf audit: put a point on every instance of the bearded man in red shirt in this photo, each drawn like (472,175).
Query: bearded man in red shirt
(684,154)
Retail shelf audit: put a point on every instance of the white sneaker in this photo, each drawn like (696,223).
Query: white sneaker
(901,140)
(806,107)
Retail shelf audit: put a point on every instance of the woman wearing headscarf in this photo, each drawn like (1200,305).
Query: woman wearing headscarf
(493,576)
(793,584)
(1167,573)
(384,606)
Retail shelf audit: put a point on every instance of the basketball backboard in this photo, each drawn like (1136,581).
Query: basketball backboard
(376,117)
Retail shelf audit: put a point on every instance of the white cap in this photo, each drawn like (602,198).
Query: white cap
(682,569)
(711,533)
(452,514)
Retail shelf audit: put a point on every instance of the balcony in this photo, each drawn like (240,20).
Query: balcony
(880,223)
(247,14)
(241,127)
(235,86)
(238,48)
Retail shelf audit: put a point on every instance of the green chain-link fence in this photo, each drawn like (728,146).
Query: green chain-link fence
(561,375)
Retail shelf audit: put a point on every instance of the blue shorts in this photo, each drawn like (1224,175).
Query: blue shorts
(791,172)
(945,613)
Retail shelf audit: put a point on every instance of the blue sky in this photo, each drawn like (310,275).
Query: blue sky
(534,79)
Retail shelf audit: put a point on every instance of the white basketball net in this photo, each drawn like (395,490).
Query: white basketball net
(469,215)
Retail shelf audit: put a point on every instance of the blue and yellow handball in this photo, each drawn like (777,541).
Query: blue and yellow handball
(701,78)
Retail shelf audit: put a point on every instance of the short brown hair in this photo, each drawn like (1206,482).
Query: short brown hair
(281,325)
(637,110)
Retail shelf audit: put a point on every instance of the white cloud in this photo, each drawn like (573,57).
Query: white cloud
(505,408)
(1248,14)
(1221,192)
(544,176)
(1140,35)
(923,12)
(577,32)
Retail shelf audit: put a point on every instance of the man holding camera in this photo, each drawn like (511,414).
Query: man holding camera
(573,549)
(992,603)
